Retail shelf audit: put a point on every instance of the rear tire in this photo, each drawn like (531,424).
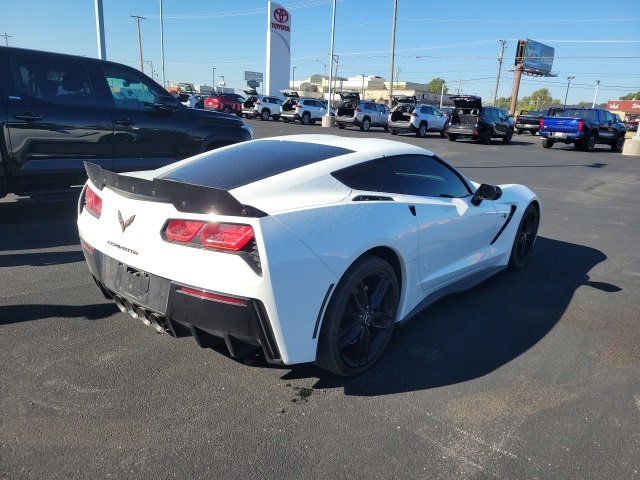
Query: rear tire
(452,137)
(265,115)
(519,131)
(365,126)
(508,137)
(386,128)
(394,132)
(546,143)
(486,138)
(341,127)
(618,144)
(590,143)
(442,132)
(285,120)
(532,132)
(422,130)
(525,238)
(359,320)
(306,118)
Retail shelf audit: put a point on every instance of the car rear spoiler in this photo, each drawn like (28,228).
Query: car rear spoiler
(185,197)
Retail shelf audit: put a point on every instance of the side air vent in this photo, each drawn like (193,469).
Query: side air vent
(372,198)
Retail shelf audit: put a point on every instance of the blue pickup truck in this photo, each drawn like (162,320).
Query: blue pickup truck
(584,127)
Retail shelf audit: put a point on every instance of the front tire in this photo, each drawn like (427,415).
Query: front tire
(507,138)
(359,320)
(394,132)
(546,143)
(618,144)
(525,238)
(341,127)
(452,137)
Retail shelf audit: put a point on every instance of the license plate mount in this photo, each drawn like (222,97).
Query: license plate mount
(132,281)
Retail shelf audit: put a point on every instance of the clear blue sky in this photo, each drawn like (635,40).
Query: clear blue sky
(460,38)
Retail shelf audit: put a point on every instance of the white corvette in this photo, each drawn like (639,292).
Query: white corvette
(311,247)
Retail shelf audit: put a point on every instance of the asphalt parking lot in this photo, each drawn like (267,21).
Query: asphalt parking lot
(534,374)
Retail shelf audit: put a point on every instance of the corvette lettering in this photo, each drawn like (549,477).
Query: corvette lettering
(128,250)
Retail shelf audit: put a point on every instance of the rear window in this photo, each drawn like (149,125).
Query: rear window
(250,162)
(579,113)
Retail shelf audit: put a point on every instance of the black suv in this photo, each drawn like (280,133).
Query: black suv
(471,119)
(57,111)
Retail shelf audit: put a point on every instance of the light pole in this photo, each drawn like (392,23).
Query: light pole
(293,78)
(138,18)
(595,96)
(222,83)
(393,48)
(6,38)
(327,120)
(442,93)
(324,65)
(151,65)
(164,83)
(566,95)
(213,79)
(363,86)
(102,51)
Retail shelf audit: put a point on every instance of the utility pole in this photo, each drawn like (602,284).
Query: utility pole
(293,78)
(393,47)
(363,86)
(164,83)
(459,88)
(503,44)
(517,76)
(595,96)
(567,94)
(151,65)
(329,121)
(324,65)
(6,38)
(102,51)
(138,18)
(442,93)
(213,79)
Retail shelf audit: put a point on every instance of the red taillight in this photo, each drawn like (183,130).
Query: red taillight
(541,123)
(580,125)
(226,236)
(92,202)
(475,133)
(215,297)
(182,231)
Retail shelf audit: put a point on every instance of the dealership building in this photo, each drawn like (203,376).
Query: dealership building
(626,109)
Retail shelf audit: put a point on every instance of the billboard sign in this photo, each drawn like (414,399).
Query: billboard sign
(253,76)
(624,105)
(278,48)
(535,56)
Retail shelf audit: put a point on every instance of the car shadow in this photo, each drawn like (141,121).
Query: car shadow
(40,259)
(468,335)
(25,313)
(35,224)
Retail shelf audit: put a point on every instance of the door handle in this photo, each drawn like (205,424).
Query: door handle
(123,121)
(28,117)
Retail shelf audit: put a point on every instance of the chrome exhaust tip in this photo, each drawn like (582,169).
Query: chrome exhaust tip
(119,304)
(142,315)
(130,308)
(156,323)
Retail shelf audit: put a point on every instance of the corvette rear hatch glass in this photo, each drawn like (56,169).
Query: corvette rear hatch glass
(250,162)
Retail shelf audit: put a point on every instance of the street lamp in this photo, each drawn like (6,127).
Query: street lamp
(213,79)
(595,96)
(567,94)
(293,78)
(151,65)
(324,65)
(442,92)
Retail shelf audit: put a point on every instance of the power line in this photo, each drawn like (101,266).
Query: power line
(476,20)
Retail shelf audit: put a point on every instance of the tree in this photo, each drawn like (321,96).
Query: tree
(584,104)
(539,98)
(503,102)
(631,96)
(435,86)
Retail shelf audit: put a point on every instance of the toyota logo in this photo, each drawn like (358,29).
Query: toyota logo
(281,15)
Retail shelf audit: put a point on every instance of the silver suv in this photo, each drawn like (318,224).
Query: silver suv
(408,116)
(263,107)
(364,114)
(307,110)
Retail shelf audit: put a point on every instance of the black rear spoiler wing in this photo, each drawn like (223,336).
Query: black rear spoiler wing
(184,197)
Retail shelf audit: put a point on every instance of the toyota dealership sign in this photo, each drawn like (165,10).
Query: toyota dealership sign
(278,49)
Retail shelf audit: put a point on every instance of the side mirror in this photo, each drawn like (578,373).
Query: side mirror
(486,192)
(167,102)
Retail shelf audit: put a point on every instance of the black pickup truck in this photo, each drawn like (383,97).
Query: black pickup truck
(57,111)
(528,121)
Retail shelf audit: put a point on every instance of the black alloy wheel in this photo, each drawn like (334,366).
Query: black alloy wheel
(366,125)
(422,130)
(306,118)
(360,318)
(266,115)
(525,238)
(508,136)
